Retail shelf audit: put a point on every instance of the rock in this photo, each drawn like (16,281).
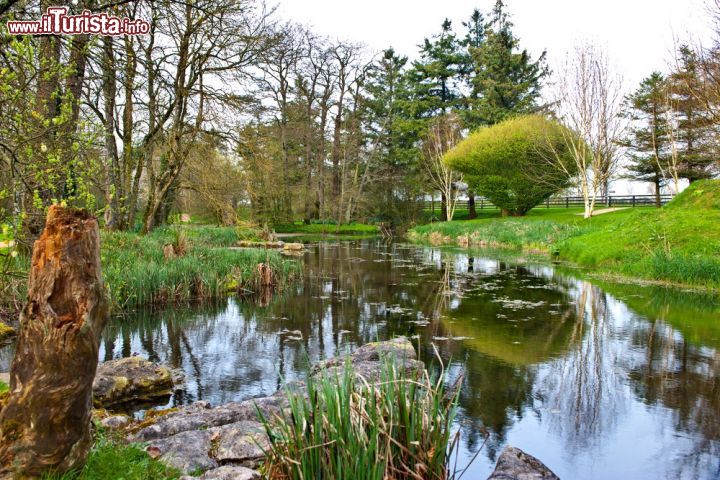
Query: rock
(251,244)
(368,360)
(115,421)
(6,332)
(514,464)
(227,472)
(294,246)
(5,378)
(241,443)
(130,379)
(200,415)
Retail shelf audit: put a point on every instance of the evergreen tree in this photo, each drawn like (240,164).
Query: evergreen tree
(647,140)
(475,29)
(436,77)
(394,133)
(694,125)
(506,81)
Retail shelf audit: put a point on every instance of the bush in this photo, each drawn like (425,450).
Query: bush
(513,163)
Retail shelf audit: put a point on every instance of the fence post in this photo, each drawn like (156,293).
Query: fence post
(547,203)
(609,201)
(633,200)
(482,203)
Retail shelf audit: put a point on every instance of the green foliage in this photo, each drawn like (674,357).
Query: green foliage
(647,141)
(504,81)
(513,163)
(347,429)
(3,387)
(111,457)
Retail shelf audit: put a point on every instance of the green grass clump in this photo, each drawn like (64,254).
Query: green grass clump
(137,272)
(112,458)
(678,243)
(3,387)
(345,428)
(328,228)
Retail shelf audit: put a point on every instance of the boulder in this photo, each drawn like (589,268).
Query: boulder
(227,472)
(514,464)
(131,379)
(6,331)
(241,443)
(368,360)
(115,421)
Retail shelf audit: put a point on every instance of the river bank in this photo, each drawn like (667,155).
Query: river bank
(169,265)
(675,245)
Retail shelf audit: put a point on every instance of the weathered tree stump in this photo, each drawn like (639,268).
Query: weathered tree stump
(46,421)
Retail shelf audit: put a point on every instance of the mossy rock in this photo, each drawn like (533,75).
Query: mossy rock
(6,332)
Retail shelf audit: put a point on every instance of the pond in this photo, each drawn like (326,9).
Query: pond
(599,381)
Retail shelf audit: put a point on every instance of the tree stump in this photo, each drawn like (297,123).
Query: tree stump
(46,421)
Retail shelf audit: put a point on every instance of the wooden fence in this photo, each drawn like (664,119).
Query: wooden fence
(567,202)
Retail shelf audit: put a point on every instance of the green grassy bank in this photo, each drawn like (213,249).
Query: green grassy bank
(328,228)
(678,244)
(137,272)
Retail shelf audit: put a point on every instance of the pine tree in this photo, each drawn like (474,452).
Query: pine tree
(694,124)
(507,81)
(436,76)
(647,141)
(395,135)
(475,30)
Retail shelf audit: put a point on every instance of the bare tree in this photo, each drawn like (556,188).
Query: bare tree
(444,133)
(589,103)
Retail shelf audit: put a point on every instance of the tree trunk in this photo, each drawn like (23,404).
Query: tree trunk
(472,213)
(443,208)
(658,202)
(46,421)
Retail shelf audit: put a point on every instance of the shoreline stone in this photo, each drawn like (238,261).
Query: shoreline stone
(514,464)
(132,379)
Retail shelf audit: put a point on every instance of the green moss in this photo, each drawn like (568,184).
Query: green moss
(6,331)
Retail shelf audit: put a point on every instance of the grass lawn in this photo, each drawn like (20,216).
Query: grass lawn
(328,228)
(679,243)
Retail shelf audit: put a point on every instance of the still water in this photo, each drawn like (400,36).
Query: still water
(598,381)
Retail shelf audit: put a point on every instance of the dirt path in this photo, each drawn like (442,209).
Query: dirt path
(604,210)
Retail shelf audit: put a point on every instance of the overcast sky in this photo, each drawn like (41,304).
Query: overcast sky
(637,34)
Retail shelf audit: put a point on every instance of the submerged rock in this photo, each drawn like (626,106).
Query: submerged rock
(514,464)
(130,379)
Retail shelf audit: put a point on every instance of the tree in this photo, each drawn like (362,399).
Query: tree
(506,82)
(694,120)
(507,162)
(444,133)
(647,141)
(589,104)
(45,423)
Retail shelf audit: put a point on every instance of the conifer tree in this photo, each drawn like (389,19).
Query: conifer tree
(507,81)
(694,125)
(647,141)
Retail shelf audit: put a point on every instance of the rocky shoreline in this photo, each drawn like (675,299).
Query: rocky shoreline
(229,441)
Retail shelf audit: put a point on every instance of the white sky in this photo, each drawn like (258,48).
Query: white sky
(637,34)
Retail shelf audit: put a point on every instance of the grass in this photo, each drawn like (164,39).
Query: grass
(137,273)
(327,228)
(3,387)
(676,244)
(110,457)
(399,428)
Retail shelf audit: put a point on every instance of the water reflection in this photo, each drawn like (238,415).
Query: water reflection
(611,382)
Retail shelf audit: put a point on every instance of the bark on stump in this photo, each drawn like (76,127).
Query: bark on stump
(46,421)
